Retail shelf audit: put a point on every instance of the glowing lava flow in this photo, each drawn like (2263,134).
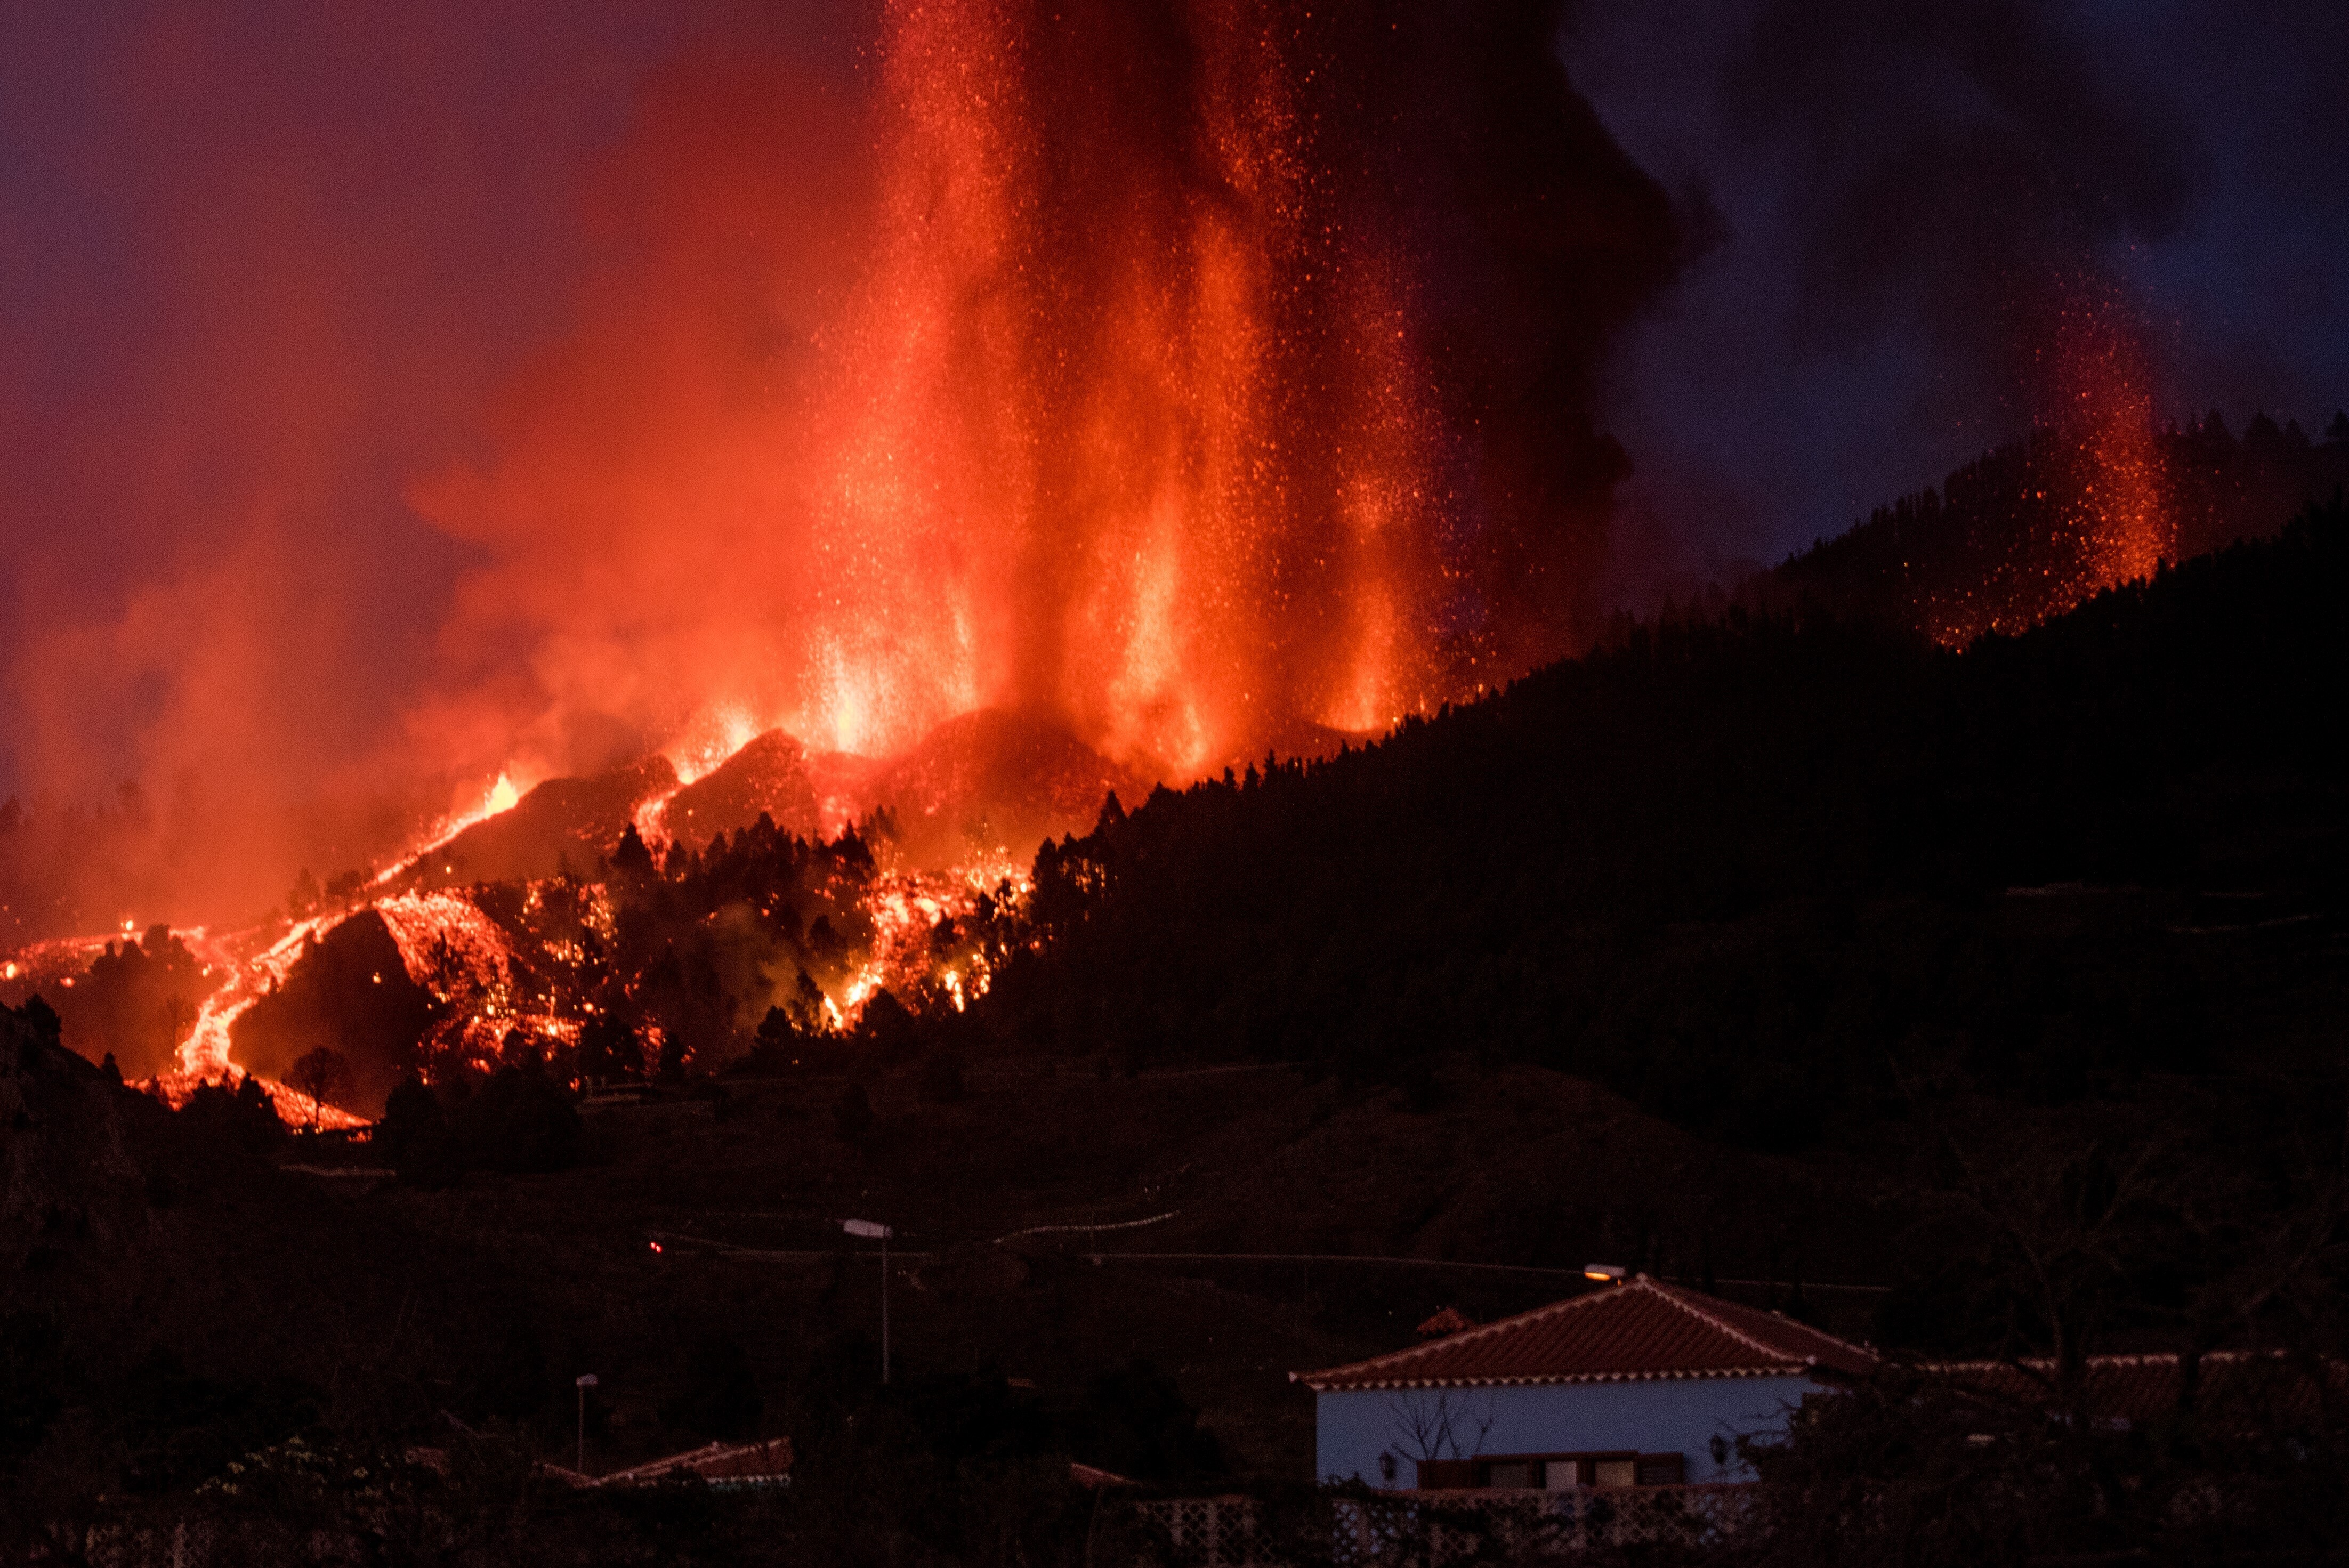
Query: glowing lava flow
(533,958)
(500,797)
(204,1054)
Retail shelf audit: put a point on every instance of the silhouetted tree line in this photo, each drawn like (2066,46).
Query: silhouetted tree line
(516,1119)
(135,1002)
(732,947)
(1737,869)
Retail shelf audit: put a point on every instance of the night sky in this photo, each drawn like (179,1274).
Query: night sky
(264,267)
(1873,181)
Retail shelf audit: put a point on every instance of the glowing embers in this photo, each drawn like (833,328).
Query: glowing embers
(928,947)
(2082,505)
(2108,397)
(529,971)
(450,947)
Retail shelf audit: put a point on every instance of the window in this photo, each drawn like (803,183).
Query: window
(1555,1472)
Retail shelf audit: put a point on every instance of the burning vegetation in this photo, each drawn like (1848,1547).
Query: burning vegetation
(759,940)
(558,931)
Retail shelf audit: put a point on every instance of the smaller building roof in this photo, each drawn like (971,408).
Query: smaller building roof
(1636,1331)
(1451,1320)
(721,1464)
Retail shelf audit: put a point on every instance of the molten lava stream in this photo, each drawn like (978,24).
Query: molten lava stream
(204,1055)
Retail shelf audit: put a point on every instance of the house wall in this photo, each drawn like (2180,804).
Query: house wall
(1665,1415)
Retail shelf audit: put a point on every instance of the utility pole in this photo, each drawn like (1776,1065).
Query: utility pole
(586,1382)
(873,1230)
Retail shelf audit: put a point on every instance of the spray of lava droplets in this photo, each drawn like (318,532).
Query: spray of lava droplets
(2105,394)
(1203,375)
(2086,505)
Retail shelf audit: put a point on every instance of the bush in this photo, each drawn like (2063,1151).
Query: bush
(244,1116)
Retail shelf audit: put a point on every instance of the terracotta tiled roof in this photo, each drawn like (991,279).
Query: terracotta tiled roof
(759,1461)
(1638,1330)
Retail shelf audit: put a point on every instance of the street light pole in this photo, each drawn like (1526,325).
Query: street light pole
(586,1382)
(874,1229)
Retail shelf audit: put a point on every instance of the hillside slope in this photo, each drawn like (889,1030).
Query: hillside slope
(1753,871)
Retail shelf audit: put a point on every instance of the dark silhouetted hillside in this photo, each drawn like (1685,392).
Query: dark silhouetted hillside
(1751,872)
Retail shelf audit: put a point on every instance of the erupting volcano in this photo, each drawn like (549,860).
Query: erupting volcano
(1066,400)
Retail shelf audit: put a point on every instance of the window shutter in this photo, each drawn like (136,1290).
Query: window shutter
(1446,1475)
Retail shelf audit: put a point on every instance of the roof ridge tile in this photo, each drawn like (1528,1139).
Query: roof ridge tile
(1453,1342)
(1776,1352)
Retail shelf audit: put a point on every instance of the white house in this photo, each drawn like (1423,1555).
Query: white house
(1637,1384)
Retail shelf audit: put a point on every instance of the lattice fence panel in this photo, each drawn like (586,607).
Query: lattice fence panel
(1434,1528)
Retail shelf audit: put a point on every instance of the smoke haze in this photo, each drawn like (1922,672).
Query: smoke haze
(263,264)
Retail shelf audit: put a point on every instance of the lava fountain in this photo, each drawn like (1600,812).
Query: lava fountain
(1206,376)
